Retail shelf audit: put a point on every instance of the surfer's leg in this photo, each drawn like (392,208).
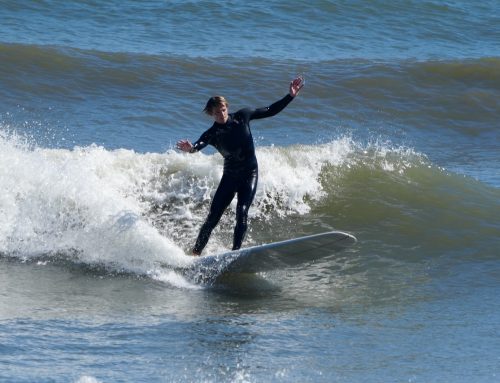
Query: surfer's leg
(246,194)
(222,198)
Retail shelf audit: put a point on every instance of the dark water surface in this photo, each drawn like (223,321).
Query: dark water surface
(394,138)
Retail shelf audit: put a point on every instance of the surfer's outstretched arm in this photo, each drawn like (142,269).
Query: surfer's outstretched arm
(185,146)
(296,85)
(273,109)
(188,147)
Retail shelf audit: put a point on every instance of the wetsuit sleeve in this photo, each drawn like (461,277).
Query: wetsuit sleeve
(272,109)
(202,142)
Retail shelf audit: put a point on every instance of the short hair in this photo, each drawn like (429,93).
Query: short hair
(215,102)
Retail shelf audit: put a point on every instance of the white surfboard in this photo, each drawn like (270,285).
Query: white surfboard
(271,256)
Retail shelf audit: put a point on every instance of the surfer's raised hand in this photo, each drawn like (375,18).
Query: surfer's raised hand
(184,145)
(296,85)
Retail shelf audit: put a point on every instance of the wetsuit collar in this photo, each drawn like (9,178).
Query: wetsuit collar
(226,124)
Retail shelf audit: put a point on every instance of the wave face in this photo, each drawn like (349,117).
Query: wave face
(139,213)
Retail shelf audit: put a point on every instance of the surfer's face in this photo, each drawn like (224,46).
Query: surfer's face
(220,114)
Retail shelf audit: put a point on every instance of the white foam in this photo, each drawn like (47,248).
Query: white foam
(140,212)
(87,379)
(292,175)
(85,202)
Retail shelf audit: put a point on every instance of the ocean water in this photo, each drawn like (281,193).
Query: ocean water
(395,138)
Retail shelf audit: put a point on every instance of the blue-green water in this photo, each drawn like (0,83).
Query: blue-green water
(394,138)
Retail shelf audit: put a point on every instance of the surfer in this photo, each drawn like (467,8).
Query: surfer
(230,134)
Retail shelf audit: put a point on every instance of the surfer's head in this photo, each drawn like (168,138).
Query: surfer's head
(217,107)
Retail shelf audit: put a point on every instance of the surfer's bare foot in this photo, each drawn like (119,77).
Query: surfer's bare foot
(195,254)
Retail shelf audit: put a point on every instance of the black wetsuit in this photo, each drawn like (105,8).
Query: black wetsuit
(234,142)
